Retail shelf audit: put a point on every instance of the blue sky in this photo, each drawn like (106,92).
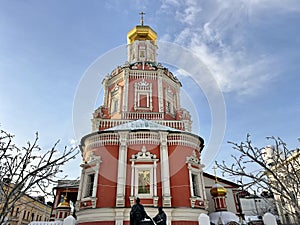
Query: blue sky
(250,46)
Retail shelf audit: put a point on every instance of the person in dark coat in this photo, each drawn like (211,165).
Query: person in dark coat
(137,213)
(161,217)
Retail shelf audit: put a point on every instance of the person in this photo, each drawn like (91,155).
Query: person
(161,217)
(137,213)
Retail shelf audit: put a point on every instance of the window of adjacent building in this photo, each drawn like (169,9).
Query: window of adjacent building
(90,185)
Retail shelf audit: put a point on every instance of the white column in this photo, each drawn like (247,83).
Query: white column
(125,92)
(79,197)
(191,180)
(150,96)
(96,178)
(160,91)
(154,179)
(135,96)
(165,174)
(121,181)
(132,179)
(104,83)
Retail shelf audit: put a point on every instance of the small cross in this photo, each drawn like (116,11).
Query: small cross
(215,172)
(142,18)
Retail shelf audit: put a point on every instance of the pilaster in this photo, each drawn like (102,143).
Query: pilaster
(104,83)
(125,92)
(160,92)
(121,181)
(165,174)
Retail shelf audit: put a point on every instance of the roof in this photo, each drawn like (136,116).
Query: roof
(142,124)
(225,216)
(222,180)
(141,33)
(67,183)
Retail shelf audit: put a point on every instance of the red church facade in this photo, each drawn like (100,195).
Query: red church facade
(141,145)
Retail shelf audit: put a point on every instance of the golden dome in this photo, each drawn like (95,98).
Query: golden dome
(141,33)
(218,190)
(64,204)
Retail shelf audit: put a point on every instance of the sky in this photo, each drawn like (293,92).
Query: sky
(250,47)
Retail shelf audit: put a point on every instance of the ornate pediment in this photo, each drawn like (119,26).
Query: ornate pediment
(193,159)
(144,155)
(143,83)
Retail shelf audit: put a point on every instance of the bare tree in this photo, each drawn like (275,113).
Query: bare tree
(27,169)
(274,168)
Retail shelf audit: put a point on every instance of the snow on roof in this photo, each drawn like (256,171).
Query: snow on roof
(142,124)
(225,216)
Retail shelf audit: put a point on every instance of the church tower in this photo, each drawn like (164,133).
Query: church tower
(141,144)
(141,88)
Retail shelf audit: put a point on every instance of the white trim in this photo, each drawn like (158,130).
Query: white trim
(140,157)
(195,168)
(160,92)
(143,88)
(90,167)
(165,174)
(120,198)
(125,91)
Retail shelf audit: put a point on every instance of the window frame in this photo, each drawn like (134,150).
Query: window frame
(86,189)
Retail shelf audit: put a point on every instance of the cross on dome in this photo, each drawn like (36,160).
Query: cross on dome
(215,173)
(142,17)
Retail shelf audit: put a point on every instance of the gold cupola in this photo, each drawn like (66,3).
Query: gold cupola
(64,204)
(141,32)
(218,190)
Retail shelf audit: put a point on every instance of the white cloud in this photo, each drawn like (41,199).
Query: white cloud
(73,143)
(217,33)
(165,37)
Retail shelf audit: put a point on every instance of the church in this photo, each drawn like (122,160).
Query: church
(141,145)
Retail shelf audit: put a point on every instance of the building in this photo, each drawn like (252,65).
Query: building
(254,207)
(65,198)
(67,190)
(223,192)
(283,173)
(27,209)
(232,194)
(141,144)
